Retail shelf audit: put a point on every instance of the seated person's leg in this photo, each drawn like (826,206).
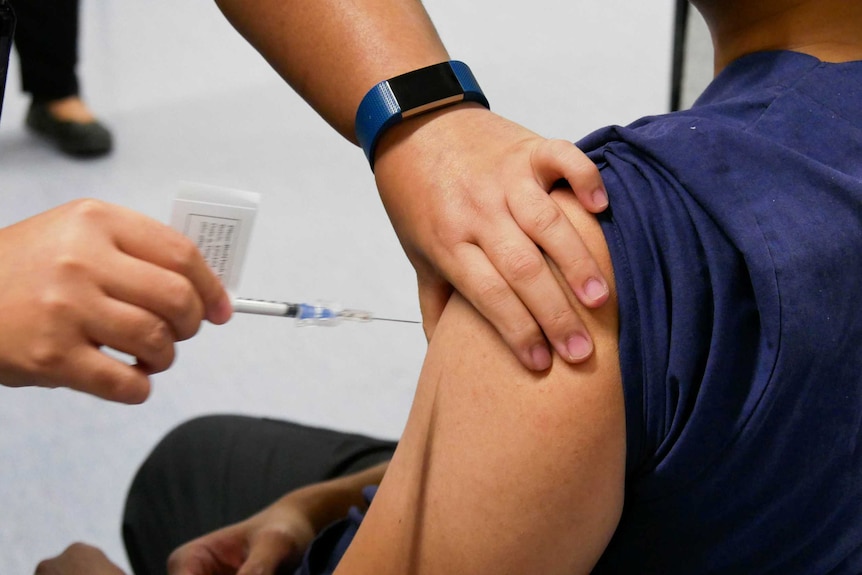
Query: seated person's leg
(502,470)
(217,470)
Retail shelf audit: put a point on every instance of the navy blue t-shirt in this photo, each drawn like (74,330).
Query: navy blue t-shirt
(735,231)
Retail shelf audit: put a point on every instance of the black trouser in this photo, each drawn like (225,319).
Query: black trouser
(46,38)
(217,470)
(7,30)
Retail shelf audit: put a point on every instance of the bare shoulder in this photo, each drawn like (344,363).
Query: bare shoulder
(502,470)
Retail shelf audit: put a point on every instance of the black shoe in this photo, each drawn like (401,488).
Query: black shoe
(88,139)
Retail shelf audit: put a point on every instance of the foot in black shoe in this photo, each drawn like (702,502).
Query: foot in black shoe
(79,139)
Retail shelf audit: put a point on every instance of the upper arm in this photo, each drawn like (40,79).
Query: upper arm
(503,470)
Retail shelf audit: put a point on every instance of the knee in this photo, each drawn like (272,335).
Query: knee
(183,448)
(196,437)
(181,455)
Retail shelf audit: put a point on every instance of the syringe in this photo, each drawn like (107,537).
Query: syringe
(307,314)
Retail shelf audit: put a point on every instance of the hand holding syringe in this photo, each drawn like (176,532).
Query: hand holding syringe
(308,314)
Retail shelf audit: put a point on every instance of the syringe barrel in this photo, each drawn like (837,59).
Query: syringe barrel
(263,307)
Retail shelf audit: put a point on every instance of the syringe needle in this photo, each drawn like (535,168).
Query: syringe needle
(397,320)
(359,315)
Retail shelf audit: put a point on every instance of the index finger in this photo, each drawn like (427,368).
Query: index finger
(553,159)
(147,239)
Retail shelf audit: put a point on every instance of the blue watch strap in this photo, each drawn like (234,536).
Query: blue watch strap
(411,94)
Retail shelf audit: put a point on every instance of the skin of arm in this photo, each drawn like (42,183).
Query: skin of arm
(279,534)
(502,470)
(462,222)
(332,52)
(88,274)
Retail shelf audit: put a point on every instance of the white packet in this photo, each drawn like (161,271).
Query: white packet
(219,221)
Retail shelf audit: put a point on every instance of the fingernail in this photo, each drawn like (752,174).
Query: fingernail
(222,311)
(600,198)
(595,289)
(541,357)
(579,347)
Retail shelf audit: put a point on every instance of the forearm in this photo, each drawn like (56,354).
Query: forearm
(465,189)
(333,51)
(278,534)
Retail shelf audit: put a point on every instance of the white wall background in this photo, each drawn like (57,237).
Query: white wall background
(189,100)
(697,65)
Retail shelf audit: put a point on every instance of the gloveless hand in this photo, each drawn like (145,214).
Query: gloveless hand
(467,193)
(90,274)
(276,536)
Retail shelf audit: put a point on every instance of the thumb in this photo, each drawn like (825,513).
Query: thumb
(219,552)
(553,160)
(269,550)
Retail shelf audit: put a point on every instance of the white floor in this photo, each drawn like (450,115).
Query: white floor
(189,100)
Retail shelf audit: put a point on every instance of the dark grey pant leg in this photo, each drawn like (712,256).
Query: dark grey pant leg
(217,470)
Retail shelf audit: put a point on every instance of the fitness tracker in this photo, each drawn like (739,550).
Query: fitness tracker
(412,94)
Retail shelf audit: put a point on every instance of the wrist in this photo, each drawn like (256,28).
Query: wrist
(413,94)
(426,133)
(325,502)
(320,504)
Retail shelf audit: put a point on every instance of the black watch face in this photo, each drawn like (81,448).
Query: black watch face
(426,88)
